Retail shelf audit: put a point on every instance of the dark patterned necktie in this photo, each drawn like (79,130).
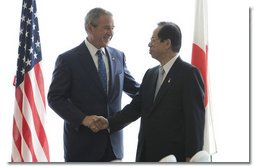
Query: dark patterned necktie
(102,70)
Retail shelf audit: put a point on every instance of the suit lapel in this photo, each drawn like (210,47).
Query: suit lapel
(89,66)
(167,81)
(112,67)
(150,81)
(153,88)
(154,83)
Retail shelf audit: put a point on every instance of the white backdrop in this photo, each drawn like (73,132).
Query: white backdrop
(61,28)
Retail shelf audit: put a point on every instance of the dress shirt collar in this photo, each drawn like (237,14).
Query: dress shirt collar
(92,49)
(169,64)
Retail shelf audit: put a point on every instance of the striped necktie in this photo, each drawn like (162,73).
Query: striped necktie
(102,70)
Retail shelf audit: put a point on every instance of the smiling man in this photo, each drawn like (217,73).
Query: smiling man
(88,80)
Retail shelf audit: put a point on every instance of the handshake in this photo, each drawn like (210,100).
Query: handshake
(95,123)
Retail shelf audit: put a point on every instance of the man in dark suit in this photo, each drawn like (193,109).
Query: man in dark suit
(77,93)
(172,122)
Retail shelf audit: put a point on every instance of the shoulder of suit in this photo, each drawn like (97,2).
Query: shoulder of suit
(74,51)
(189,69)
(152,70)
(190,66)
(184,64)
(114,50)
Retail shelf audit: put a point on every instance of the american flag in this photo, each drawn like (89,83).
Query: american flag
(29,137)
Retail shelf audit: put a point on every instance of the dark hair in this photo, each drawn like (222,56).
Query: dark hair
(94,14)
(170,31)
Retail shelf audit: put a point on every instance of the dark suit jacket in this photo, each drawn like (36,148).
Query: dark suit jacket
(76,91)
(174,122)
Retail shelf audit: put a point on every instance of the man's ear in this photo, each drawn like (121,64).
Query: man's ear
(168,43)
(89,28)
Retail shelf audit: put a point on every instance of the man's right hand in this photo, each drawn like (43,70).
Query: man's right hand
(101,123)
(95,123)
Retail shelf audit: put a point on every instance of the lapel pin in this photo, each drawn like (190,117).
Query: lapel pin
(169,80)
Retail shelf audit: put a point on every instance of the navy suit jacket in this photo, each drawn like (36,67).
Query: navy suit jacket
(76,91)
(173,123)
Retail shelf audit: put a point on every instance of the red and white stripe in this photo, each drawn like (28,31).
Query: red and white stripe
(200,60)
(29,138)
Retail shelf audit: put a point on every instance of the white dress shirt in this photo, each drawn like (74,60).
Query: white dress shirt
(93,50)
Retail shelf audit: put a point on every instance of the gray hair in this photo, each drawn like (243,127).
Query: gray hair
(94,14)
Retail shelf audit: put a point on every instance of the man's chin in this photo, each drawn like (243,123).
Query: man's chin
(106,42)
